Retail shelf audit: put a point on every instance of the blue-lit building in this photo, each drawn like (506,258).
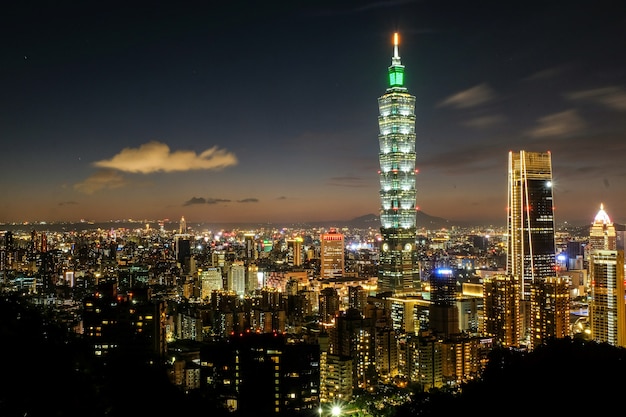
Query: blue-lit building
(444,313)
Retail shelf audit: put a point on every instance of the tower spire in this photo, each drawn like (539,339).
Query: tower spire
(398,272)
(396,70)
(396,42)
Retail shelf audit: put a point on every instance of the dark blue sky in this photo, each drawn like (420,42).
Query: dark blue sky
(267,111)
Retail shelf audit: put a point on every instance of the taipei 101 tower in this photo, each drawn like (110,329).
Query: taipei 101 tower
(397,271)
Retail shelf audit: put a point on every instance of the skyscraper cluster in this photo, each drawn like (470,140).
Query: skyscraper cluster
(607,313)
(278,323)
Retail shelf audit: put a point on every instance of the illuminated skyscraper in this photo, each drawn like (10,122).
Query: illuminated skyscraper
(444,313)
(530,222)
(263,374)
(236,278)
(182,226)
(332,254)
(550,305)
(396,137)
(531,247)
(606,271)
(353,336)
(294,251)
(501,309)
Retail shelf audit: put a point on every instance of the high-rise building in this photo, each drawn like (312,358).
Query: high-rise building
(335,378)
(210,280)
(424,358)
(396,137)
(263,374)
(328,304)
(531,246)
(353,336)
(294,251)
(251,246)
(128,323)
(236,278)
(182,226)
(501,309)
(444,313)
(386,352)
(332,254)
(550,304)
(357,297)
(606,271)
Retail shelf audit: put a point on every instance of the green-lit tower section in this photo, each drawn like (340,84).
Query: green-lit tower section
(397,271)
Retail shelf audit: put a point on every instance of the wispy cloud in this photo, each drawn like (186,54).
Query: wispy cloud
(471,97)
(484,121)
(103,179)
(156,157)
(216,200)
(612,97)
(194,200)
(558,124)
(202,200)
(546,74)
(356,182)
(68,203)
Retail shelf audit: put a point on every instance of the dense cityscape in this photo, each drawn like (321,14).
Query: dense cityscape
(396,316)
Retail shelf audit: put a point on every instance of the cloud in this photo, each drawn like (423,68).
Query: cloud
(612,97)
(355,182)
(216,200)
(472,97)
(156,157)
(194,200)
(558,124)
(546,74)
(202,200)
(68,203)
(103,179)
(484,121)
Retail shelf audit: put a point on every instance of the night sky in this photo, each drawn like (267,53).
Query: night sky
(267,111)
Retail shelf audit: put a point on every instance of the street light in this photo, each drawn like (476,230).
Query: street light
(335,410)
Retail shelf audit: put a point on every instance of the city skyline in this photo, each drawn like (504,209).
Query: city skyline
(244,113)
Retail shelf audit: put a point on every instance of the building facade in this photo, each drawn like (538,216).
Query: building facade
(332,257)
(606,271)
(501,307)
(550,305)
(444,313)
(531,245)
(396,137)
(262,374)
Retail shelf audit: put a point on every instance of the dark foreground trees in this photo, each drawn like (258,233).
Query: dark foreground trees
(47,372)
(565,376)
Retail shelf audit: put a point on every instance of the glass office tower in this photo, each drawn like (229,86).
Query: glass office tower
(396,122)
(607,311)
(531,246)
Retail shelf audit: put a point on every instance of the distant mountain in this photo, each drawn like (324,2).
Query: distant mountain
(373,221)
(362,222)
